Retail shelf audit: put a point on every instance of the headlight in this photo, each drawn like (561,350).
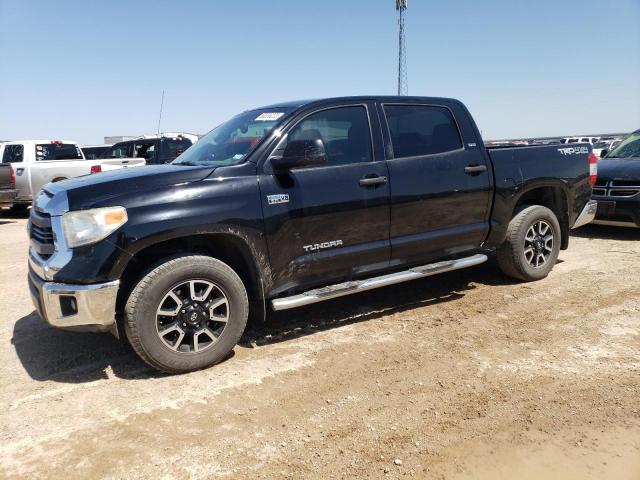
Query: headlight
(84,227)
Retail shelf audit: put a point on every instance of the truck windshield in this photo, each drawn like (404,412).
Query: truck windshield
(628,148)
(58,151)
(231,142)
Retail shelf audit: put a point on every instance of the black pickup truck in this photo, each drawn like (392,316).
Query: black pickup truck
(8,190)
(293,204)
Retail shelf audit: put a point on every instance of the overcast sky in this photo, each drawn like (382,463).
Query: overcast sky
(82,70)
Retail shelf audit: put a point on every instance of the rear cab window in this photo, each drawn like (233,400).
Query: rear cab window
(58,151)
(13,154)
(119,150)
(144,149)
(418,130)
(91,153)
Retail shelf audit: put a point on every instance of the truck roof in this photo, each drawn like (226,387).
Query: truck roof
(295,104)
(29,142)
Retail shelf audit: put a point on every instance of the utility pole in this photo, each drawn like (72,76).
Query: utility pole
(403,86)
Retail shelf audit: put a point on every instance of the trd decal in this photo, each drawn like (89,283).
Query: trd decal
(573,150)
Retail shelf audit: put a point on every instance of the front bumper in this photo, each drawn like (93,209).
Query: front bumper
(620,212)
(75,307)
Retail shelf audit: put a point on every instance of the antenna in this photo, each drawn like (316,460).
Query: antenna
(160,117)
(403,84)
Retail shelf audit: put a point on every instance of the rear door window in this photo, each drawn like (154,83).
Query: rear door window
(13,154)
(421,130)
(171,148)
(58,151)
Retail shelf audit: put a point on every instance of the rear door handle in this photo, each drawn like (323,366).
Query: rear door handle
(370,180)
(475,169)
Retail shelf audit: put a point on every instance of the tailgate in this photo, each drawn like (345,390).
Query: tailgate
(116,163)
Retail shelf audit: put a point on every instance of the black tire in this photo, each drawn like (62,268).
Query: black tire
(511,256)
(146,298)
(19,210)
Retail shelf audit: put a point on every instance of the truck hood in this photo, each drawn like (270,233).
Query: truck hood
(619,168)
(89,190)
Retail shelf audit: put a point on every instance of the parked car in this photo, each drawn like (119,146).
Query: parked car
(8,190)
(590,140)
(153,149)
(290,205)
(91,152)
(618,186)
(38,162)
(599,146)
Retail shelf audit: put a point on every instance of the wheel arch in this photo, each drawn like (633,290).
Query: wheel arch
(552,196)
(232,247)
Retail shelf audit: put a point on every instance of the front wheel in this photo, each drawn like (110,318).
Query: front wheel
(186,314)
(532,244)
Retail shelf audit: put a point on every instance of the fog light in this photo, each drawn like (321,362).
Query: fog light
(68,305)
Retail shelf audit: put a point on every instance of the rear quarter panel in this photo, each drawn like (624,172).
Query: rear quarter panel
(519,170)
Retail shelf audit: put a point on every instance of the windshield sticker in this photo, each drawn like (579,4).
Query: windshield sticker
(238,156)
(269,116)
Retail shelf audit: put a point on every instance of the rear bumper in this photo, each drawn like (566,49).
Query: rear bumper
(75,307)
(7,197)
(587,215)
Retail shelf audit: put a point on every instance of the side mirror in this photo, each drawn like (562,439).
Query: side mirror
(603,152)
(300,154)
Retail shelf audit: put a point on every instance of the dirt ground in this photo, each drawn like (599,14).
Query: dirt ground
(466,375)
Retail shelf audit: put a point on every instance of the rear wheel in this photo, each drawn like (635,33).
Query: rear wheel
(532,244)
(186,314)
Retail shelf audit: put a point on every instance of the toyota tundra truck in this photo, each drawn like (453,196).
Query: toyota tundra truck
(293,204)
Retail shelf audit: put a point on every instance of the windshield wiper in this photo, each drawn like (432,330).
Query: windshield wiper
(188,164)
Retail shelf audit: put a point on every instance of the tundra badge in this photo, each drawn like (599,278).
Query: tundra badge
(322,246)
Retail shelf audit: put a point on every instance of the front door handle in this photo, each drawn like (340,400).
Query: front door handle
(370,180)
(19,171)
(475,169)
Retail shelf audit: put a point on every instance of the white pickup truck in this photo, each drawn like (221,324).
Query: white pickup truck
(38,162)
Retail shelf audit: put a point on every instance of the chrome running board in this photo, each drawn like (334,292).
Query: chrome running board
(356,286)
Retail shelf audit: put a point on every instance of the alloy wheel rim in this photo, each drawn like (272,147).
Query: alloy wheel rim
(538,244)
(192,315)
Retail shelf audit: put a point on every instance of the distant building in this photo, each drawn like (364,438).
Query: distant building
(118,138)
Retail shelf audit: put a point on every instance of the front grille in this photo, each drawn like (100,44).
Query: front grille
(625,183)
(617,188)
(41,233)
